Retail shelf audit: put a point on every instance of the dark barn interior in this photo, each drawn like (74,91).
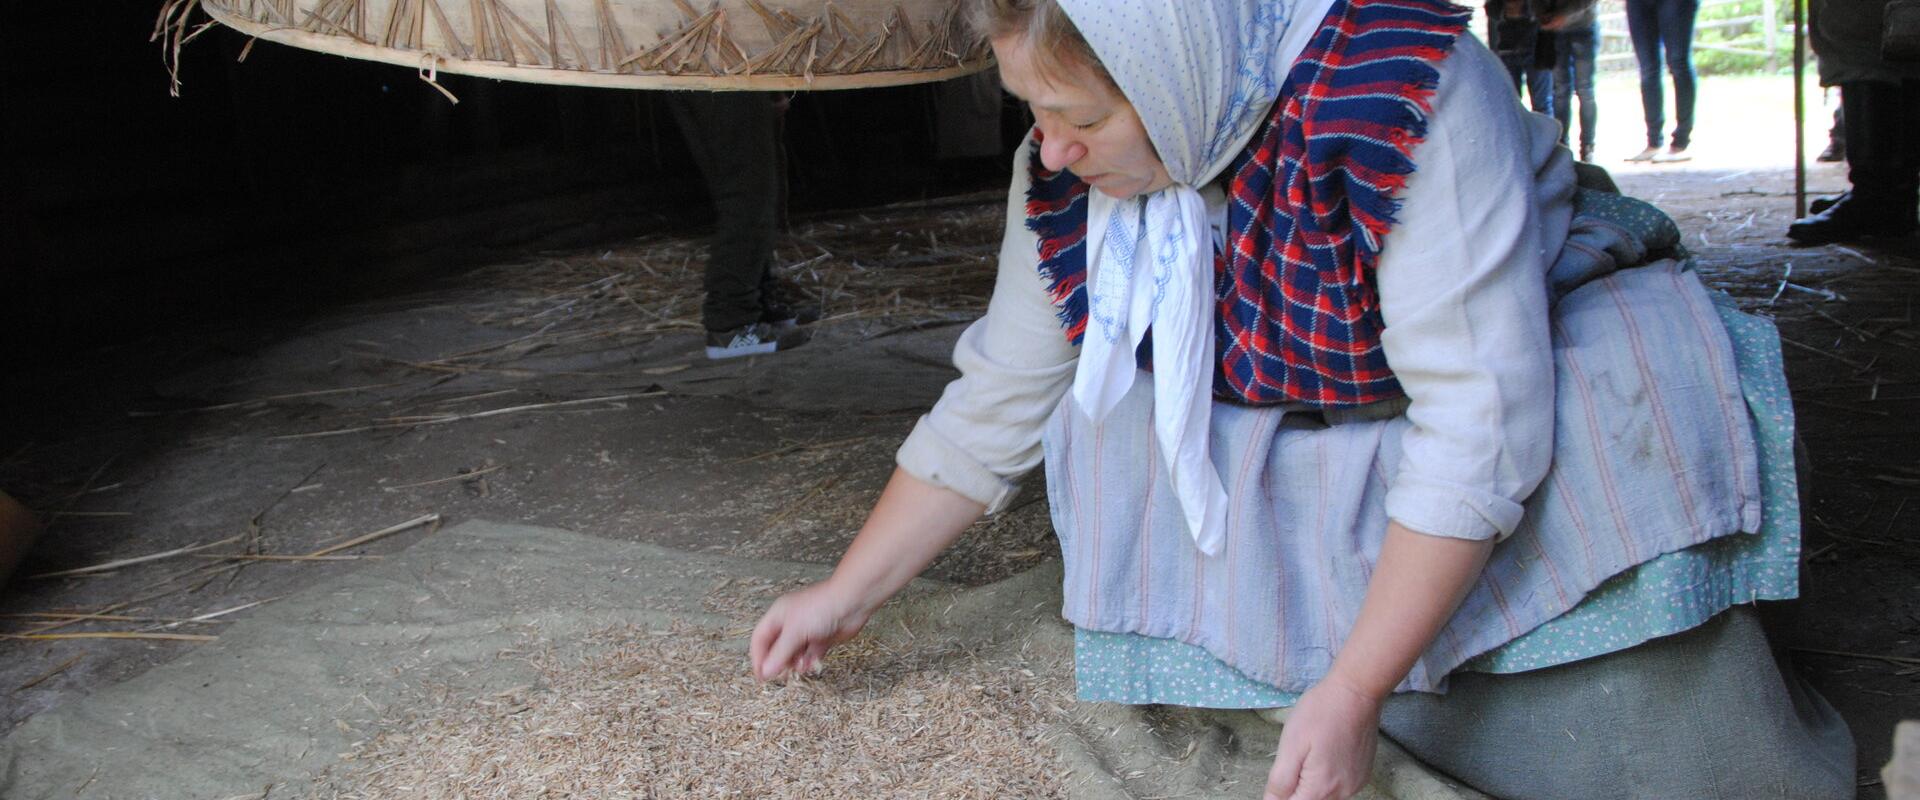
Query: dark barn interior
(249,188)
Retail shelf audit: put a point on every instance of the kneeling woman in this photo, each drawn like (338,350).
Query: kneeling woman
(1352,403)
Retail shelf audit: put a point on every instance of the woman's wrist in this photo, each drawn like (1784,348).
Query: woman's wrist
(1370,689)
(910,524)
(1417,583)
(859,596)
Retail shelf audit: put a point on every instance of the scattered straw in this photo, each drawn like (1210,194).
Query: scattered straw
(881,272)
(428,519)
(212,616)
(446,418)
(801,447)
(49,674)
(935,265)
(263,401)
(745,599)
(673,714)
(128,562)
(1863,656)
(169,637)
(464,475)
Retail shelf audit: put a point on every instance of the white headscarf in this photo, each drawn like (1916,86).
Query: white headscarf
(1202,75)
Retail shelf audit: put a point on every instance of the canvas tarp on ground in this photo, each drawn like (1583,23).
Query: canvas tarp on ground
(280,696)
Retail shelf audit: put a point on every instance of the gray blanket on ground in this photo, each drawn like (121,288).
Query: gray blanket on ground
(281,695)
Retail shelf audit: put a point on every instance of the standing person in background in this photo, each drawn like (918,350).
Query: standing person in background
(1576,46)
(1836,141)
(1658,26)
(1858,45)
(1514,34)
(736,140)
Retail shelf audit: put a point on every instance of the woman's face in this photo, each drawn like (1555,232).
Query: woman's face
(1088,127)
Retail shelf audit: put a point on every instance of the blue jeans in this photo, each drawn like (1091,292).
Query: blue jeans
(1573,74)
(1664,24)
(1538,86)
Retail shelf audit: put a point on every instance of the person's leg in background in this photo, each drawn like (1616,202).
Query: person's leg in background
(1583,52)
(1563,85)
(1883,164)
(1676,38)
(735,139)
(1643,27)
(1517,73)
(1540,82)
(1516,39)
(1541,91)
(1836,152)
(1836,141)
(781,303)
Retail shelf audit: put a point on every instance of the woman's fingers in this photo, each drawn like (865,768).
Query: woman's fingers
(1312,791)
(764,635)
(783,656)
(796,633)
(1307,776)
(816,653)
(1284,779)
(1315,788)
(777,641)
(1326,745)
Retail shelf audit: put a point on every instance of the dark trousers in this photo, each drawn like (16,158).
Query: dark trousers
(1656,26)
(1536,84)
(1527,53)
(735,139)
(1575,52)
(1883,149)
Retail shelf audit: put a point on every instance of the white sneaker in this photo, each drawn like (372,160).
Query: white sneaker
(1645,155)
(759,338)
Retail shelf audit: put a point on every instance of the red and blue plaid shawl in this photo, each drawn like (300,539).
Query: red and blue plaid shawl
(1312,198)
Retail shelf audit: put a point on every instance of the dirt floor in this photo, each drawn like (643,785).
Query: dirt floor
(567,389)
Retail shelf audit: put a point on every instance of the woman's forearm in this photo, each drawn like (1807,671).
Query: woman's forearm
(911,523)
(1416,586)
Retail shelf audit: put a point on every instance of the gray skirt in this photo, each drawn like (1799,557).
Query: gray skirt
(1704,714)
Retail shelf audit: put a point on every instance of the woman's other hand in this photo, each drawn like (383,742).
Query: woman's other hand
(1326,745)
(800,627)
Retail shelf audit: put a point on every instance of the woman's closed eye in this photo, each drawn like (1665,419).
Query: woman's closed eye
(1070,120)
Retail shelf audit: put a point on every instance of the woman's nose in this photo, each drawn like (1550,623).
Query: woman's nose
(1059,151)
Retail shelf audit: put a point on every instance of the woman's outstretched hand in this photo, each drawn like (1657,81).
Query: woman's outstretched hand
(1326,745)
(910,524)
(801,626)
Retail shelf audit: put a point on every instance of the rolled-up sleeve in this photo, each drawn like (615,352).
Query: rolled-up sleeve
(1462,282)
(1015,365)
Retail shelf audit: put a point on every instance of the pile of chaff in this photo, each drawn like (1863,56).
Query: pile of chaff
(674,714)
